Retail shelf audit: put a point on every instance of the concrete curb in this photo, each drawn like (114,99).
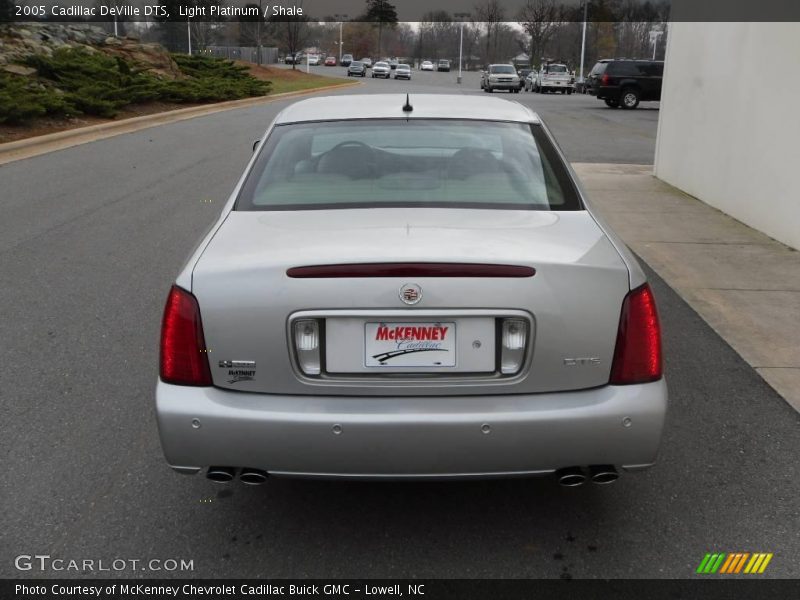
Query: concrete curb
(42,144)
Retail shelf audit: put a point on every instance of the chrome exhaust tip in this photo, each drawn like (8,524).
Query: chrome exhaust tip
(221,474)
(570,477)
(603,474)
(253,476)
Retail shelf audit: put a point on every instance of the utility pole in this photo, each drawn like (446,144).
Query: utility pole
(189,34)
(461,17)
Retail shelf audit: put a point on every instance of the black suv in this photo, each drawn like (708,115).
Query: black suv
(626,82)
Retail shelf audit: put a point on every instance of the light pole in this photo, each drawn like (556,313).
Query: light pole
(189,34)
(654,35)
(461,17)
(583,43)
(341,19)
(258,34)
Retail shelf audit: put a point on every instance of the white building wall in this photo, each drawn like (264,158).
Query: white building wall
(729,125)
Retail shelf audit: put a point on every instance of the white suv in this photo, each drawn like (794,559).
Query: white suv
(500,77)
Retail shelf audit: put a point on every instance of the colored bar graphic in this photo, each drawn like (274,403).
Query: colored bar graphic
(741,562)
(765,563)
(728,564)
(703,563)
(733,562)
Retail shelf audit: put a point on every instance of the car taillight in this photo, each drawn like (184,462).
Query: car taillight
(184,358)
(605,79)
(637,356)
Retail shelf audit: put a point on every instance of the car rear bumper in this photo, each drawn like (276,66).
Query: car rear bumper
(606,92)
(413,436)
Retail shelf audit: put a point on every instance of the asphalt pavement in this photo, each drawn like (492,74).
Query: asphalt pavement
(90,242)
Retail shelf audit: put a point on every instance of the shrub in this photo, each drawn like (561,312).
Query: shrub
(22,99)
(74,81)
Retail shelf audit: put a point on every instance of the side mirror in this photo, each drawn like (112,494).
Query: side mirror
(255,144)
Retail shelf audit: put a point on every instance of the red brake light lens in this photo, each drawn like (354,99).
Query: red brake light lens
(637,356)
(184,360)
(605,79)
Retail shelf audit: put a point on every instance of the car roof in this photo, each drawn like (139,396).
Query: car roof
(388,106)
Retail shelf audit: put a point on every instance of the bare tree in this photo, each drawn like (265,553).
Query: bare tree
(540,19)
(491,15)
(293,32)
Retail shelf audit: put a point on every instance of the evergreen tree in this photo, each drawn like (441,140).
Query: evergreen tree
(380,12)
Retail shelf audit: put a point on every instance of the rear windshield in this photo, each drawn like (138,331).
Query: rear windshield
(417,162)
(598,69)
(502,69)
(355,63)
(556,69)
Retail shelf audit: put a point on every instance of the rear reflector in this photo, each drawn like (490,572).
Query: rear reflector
(637,356)
(184,358)
(410,270)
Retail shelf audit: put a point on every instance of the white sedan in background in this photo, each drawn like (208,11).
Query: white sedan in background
(410,287)
(426,66)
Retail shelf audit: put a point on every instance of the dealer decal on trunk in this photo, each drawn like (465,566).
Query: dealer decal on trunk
(401,340)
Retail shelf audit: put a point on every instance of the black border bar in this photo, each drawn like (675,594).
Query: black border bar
(705,587)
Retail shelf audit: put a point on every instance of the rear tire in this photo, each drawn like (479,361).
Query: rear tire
(569,92)
(629,99)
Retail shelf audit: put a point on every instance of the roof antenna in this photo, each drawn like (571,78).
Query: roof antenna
(407,106)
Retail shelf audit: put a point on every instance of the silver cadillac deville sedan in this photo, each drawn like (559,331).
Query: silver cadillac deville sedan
(410,288)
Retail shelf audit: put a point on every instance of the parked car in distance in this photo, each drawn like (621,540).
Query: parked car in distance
(291,59)
(346,60)
(313,59)
(367,62)
(426,65)
(523,74)
(625,82)
(340,320)
(530,81)
(330,61)
(500,77)
(554,77)
(357,69)
(381,69)
(403,71)
(443,65)
(393,62)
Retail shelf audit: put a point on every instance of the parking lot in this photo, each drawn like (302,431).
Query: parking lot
(586,129)
(91,241)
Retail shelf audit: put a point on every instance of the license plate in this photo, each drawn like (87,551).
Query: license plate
(410,345)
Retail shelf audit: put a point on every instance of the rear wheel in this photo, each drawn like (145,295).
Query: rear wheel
(630,99)
(612,103)
(569,92)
